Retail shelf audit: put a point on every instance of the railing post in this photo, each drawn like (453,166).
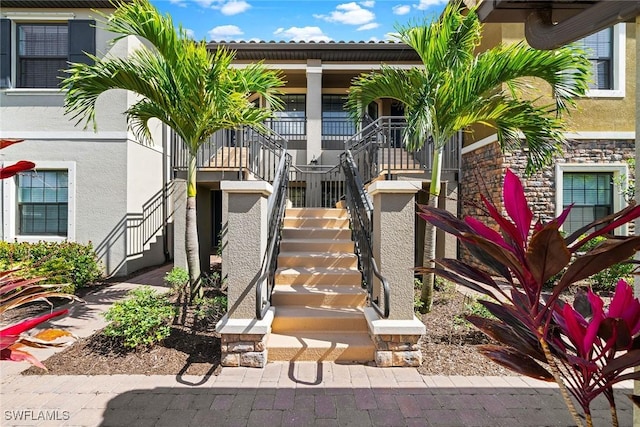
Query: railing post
(244,242)
(395,338)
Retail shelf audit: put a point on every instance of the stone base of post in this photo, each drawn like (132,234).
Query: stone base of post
(244,341)
(396,341)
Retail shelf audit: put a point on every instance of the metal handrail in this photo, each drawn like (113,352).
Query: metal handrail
(360,211)
(276,207)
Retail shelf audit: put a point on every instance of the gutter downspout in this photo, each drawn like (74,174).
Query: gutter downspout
(542,33)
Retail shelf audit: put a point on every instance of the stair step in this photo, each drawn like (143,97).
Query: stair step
(316,245)
(318,319)
(328,222)
(318,276)
(316,233)
(317,259)
(314,296)
(316,347)
(316,213)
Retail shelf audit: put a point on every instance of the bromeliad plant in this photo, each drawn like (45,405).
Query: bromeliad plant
(583,347)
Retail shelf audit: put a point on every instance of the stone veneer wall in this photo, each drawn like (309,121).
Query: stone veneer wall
(244,350)
(483,173)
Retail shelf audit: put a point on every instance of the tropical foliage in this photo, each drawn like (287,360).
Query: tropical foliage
(74,265)
(16,292)
(458,88)
(583,347)
(191,90)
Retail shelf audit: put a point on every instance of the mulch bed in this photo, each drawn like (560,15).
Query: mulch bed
(193,348)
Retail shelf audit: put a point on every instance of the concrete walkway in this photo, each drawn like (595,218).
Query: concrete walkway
(282,394)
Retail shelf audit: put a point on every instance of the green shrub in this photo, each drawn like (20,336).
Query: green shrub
(210,308)
(141,320)
(607,279)
(70,263)
(177,278)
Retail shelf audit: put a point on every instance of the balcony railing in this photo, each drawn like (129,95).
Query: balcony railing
(378,148)
(246,150)
(289,127)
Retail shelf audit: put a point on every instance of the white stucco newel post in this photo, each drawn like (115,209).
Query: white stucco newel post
(395,338)
(244,241)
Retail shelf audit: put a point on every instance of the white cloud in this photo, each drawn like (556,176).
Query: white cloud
(425,4)
(392,37)
(350,14)
(368,3)
(401,9)
(303,34)
(190,33)
(234,7)
(181,3)
(224,31)
(369,26)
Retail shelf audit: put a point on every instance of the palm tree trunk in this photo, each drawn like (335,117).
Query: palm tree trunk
(428,279)
(192,246)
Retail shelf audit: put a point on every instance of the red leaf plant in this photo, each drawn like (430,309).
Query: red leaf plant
(21,166)
(584,348)
(17,292)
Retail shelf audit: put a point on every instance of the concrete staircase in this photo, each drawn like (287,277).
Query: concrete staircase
(317,296)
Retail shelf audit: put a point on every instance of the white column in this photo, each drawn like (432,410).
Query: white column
(314,109)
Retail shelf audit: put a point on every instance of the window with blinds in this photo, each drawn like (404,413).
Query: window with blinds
(43,50)
(599,48)
(43,202)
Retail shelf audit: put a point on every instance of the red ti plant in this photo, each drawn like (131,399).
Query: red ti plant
(16,292)
(584,348)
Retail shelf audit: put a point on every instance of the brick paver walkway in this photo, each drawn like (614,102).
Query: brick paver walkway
(282,394)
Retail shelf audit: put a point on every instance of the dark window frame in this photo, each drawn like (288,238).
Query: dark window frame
(604,205)
(23,80)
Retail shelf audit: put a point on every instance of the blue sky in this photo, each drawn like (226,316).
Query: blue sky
(297,20)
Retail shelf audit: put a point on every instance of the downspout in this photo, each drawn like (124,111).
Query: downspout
(542,33)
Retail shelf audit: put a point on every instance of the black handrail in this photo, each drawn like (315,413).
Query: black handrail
(378,148)
(276,207)
(361,211)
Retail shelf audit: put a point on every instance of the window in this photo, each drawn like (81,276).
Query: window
(599,48)
(43,202)
(335,119)
(42,54)
(592,196)
(606,51)
(34,49)
(291,121)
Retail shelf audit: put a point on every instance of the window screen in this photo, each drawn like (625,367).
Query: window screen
(42,54)
(43,203)
(592,196)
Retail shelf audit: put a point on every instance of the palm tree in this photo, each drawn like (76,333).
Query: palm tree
(457,88)
(191,90)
